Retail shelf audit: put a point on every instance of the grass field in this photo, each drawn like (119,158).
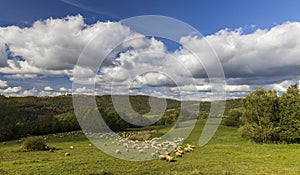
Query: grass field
(226,153)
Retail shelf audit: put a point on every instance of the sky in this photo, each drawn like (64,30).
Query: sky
(256,42)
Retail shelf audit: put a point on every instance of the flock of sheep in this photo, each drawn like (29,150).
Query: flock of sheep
(153,148)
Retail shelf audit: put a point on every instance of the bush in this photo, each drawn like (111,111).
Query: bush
(233,118)
(34,144)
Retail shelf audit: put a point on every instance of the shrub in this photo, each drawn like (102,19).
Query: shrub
(233,118)
(34,144)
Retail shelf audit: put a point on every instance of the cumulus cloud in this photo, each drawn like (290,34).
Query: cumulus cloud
(48,88)
(63,89)
(262,53)
(11,91)
(267,58)
(3,83)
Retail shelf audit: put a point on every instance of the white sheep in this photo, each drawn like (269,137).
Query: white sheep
(141,151)
(127,150)
(118,151)
(178,154)
(180,151)
(162,157)
(186,149)
(71,147)
(67,154)
(153,155)
(191,146)
(169,158)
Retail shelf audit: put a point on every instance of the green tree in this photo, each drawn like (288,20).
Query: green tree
(7,119)
(289,105)
(260,116)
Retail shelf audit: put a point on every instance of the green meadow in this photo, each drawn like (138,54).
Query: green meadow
(226,153)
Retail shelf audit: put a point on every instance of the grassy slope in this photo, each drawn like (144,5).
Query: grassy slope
(226,153)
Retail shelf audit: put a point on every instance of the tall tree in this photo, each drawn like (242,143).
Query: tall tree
(260,116)
(289,105)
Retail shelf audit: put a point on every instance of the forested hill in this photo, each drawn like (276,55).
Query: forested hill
(22,116)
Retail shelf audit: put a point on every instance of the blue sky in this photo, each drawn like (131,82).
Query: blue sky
(207,16)
(226,25)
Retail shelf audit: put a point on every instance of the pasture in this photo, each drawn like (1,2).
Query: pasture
(226,153)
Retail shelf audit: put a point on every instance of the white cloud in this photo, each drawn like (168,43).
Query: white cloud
(282,86)
(238,88)
(63,89)
(266,58)
(48,88)
(10,91)
(262,53)
(31,92)
(3,83)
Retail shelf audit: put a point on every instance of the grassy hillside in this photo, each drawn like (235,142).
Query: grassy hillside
(23,116)
(226,153)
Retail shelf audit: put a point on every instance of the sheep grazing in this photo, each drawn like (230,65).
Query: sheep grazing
(162,157)
(126,150)
(118,151)
(141,151)
(178,154)
(180,151)
(186,150)
(179,147)
(153,155)
(67,154)
(169,158)
(71,147)
(90,144)
(190,146)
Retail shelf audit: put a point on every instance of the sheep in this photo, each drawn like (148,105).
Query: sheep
(180,151)
(169,158)
(127,150)
(186,150)
(178,154)
(118,151)
(67,154)
(162,157)
(190,146)
(71,147)
(153,155)
(51,150)
(90,144)
(141,151)
(190,149)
